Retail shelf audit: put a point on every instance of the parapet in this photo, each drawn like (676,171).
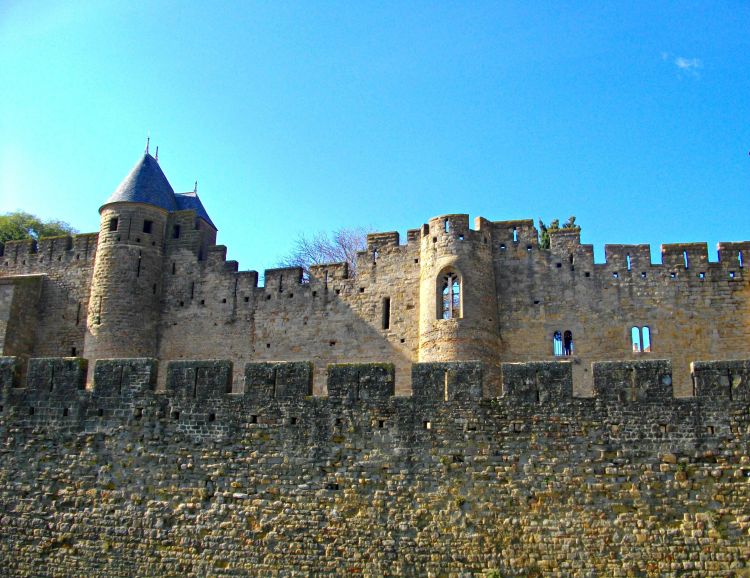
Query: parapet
(10,373)
(451,381)
(628,381)
(124,377)
(361,381)
(58,377)
(199,380)
(538,382)
(278,380)
(722,380)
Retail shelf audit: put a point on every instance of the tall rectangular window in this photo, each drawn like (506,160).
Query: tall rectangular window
(148,226)
(386,312)
(113,223)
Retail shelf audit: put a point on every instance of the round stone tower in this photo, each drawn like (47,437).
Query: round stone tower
(123,311)
(457,301)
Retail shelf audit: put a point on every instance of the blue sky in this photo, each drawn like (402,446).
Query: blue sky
(297,117)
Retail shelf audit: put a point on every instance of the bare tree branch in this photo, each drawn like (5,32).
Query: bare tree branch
(341,246)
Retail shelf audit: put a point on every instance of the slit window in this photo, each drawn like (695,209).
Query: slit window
(630,264)
(176,232)
(450,296)
(113,223)
(447,225)
(515,235)
(640,338)
(386,313)
(148,226)
(740,259)
(685,258)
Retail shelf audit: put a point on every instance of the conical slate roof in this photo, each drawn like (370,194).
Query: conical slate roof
(146,183)
(191,201)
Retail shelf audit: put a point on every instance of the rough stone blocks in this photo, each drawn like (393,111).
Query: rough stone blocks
(449,381)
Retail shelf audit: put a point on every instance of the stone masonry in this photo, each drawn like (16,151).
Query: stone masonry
(469,404)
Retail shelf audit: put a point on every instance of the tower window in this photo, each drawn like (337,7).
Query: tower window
(386,312)
(176,232)
(113,223)
(640,338)
(562,343)
(148,226)
(450,296)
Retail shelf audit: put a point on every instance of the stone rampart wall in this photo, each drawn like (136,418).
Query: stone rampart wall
(127,480)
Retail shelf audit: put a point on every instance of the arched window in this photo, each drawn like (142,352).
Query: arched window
(450,296)
(568,343)
(557,343)
(641,339)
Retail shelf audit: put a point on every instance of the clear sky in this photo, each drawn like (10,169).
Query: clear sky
(309,116)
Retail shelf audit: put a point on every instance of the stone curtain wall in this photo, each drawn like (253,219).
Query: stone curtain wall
(122,480)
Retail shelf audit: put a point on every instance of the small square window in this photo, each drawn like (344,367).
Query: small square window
(113,223)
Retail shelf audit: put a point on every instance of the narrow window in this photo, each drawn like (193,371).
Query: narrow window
(627,258)
(568,343)
(451,296)
(740,259)
(73,352)
(557,343)
(386,313)
(113,222)
(138,271)
(635,337)
(685,258)
(447,226)
(174,267)
(515,235)
(646,339)
(375,255)
(176,232)
(148,226)
(281,283)
(78,314)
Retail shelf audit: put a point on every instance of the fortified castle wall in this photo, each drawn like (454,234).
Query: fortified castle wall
(153,283)
(124,480)
(469,403)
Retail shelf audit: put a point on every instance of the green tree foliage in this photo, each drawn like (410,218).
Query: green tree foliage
(544,242)
(19,225)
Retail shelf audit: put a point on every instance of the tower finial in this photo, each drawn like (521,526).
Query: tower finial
(195,190)
(156,158)
(148,142)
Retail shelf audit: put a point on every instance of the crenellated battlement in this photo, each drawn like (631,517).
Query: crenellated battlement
(53,393)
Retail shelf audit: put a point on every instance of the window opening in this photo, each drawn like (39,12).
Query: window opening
(646,338)
(627,258)
(386,313)
(740,259)
(685,258)
(447,226)
(640,338)
(148,226)
(375,255)
(113,223)
(281,283)
(138,272)
(73,352)
(176,232)
(515,235)
(78,313)
(568,343)
(557,343)
(635,337)
(451,296)
(174,267)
